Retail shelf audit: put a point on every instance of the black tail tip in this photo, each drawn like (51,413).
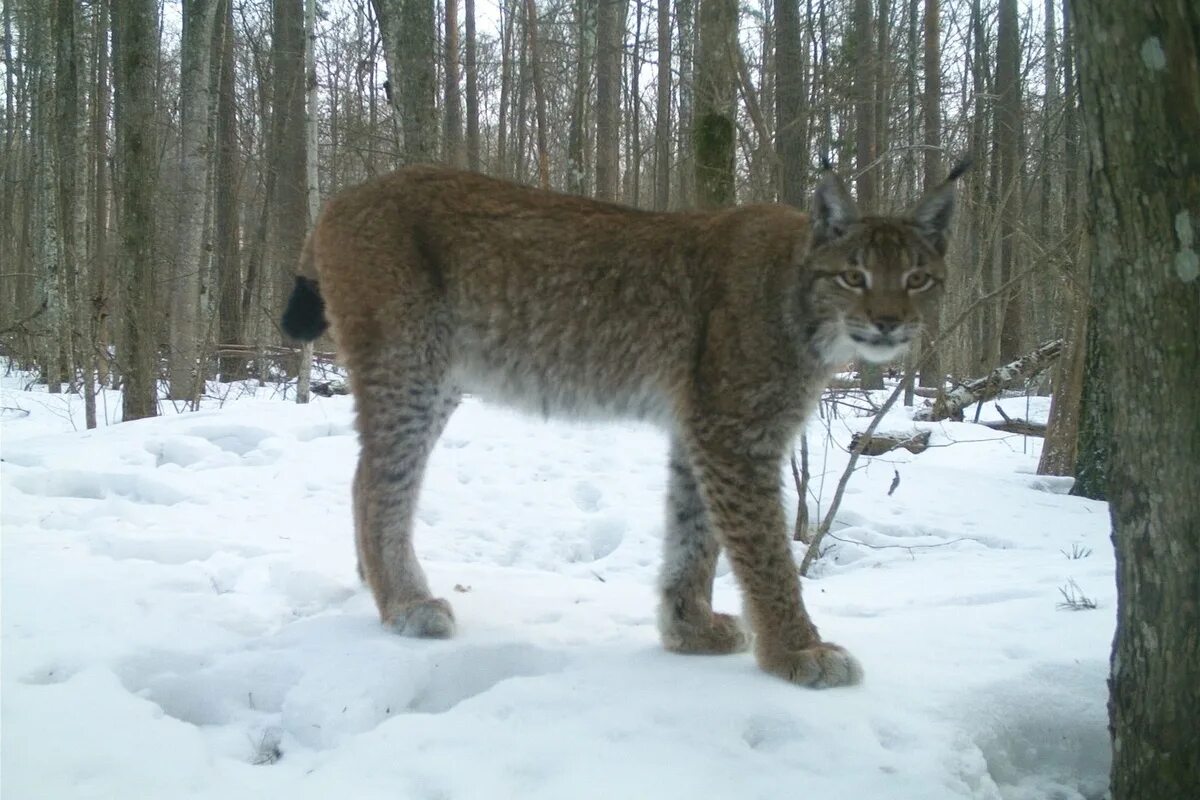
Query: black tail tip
(304,317)
(961,167)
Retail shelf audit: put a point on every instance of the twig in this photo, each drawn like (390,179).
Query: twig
(855,452)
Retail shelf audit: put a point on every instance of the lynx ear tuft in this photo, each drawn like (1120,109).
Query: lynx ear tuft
(834,210)
(933,213)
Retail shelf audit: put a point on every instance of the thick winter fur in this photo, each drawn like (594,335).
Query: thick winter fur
(721,326)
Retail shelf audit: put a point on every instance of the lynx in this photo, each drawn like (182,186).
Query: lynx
(722,326)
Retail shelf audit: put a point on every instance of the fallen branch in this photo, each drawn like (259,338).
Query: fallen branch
(991,385)
(877,445)
(1021,426)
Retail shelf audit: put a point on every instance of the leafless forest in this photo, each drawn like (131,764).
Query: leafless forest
(163,160)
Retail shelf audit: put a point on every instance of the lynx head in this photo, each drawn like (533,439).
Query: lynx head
(876,278)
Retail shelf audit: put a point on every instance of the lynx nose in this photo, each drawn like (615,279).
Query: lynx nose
(887,325)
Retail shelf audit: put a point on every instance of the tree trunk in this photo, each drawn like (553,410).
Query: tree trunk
(716,87)
(979,253)
(610,30)
(455,156)
(135,48)
(931,373)
(312,177)
(662,122)
(685,11)
(93,363)
(1140,93)
(191,250)
(883,96)
(506,43)
(791,115)
(864,137)
(539,94)
(472,69)
(1008,125)
(226,228)
(585,32)
(409,43)
(286,158)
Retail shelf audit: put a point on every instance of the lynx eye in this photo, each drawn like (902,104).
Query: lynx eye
(852,279)
(918,281)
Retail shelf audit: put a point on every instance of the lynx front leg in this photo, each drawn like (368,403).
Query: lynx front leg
(741,489)
(686,620)
(398,427)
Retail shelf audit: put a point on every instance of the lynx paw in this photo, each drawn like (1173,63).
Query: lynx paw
(820,666)
(714,634)
(426,619)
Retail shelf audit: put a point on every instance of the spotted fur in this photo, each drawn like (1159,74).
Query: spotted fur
(721,326)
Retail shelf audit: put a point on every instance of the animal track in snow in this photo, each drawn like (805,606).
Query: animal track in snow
(167,550)
(458,675)
(236,439)
(324,430)
(587,496)
(98,486)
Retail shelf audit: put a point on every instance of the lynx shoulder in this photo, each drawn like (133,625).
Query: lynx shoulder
(722,327)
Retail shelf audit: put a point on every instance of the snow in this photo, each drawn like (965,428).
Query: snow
(182,619)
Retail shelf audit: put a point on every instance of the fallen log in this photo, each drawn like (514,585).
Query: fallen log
(880,443)
(952,403)
(1021,426)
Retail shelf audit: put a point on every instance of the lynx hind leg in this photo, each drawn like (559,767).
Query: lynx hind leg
(401,415)
(686,620)
(740,485)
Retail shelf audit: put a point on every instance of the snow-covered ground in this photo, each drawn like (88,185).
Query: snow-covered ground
(182,619)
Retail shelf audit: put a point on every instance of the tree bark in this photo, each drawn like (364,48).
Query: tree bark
(455,155)
(662,122)
(1140,96)
(191,250)
(585,34)
(135,50)
(472,70)
(864,137)
(931,373)
(539,94)
(409,43)
(716,87)
(1008,125)
(610,29)
(312,177)
(685,11)
(226,227)
(287,155)
(791,115)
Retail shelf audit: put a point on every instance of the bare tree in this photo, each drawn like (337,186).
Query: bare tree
(791,116)
(714,127)
(191,251)
(1008,143)
(287,155)
(585,41)
(451,98)
(135,50)
(865,138)
(409,46)
(662,122)
(1141,103)
(226,256)
(931,111)
(609,36)
(471,60)
(535,56)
